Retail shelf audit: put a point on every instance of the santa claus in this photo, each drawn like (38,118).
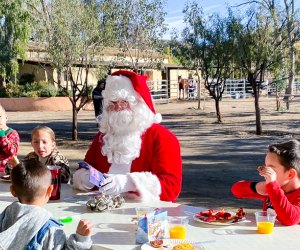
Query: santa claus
(138,156)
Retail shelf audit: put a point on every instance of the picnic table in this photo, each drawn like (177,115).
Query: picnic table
(115,229)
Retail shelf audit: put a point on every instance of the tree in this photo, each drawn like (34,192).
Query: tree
(74,38)
(285,18)
(14,33)
(207,47)
(259,48)
(293,32)
(139,26)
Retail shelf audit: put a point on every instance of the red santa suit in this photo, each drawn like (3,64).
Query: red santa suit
(160,156)
(148,166)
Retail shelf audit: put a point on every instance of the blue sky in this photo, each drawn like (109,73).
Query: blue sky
(174,8)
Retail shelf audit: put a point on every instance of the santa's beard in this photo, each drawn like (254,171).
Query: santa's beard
(123,130)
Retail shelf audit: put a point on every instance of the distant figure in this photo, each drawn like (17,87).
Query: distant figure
(191,88)
(98,98)
(186,89)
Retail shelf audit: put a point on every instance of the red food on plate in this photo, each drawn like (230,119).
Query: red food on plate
(156,243)
(221,216)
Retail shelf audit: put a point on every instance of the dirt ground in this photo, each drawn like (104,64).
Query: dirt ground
(214,155)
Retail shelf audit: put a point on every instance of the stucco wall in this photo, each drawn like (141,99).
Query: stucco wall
(39,104)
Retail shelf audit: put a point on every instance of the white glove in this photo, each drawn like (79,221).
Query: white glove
(116,184)
(81,180)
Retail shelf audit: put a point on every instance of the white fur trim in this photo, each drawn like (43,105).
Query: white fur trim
(157,118)
(147,185)
(119,87)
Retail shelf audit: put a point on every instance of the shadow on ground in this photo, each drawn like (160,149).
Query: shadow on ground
(214,155)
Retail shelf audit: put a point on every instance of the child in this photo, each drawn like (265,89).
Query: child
(9,141)
(44,146)
(281,188)
(27,223)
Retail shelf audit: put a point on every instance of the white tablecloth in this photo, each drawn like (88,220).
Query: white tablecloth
(115,229)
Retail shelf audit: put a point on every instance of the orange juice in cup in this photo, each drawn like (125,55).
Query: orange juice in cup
(265,222)
(177,228)
(177,232)
(265,227)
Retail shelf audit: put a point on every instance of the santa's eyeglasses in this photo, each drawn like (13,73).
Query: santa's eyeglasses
(118,105)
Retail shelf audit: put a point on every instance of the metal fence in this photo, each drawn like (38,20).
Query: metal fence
(164,90)
(235,88)
(160,91)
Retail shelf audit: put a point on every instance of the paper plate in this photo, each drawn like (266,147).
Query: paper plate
(170,243)
(219,223)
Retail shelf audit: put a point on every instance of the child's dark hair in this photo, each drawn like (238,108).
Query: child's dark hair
(30,180)
(288,154)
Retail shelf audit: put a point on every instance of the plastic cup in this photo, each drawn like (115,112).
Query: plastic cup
(56,183)
(142,211)
(177,227)
(265,222)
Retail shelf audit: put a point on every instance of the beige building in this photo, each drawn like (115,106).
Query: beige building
(163,83)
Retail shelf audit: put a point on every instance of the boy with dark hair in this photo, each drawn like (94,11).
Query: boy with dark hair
(27,222)
(280,189)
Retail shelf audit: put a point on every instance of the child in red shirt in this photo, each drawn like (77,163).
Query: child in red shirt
(9,141)
(281,188)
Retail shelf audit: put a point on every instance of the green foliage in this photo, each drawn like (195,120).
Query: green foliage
(139,29)
(40,89)
(12,90)
(14,32)
(89,91)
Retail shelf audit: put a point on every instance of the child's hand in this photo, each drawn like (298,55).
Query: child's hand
(268,173)
(11,163)
(84,228)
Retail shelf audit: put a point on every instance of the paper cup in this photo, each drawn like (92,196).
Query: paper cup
(265,222)
(56,183)
(177,227)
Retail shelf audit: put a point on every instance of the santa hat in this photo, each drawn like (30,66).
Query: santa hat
(140,86)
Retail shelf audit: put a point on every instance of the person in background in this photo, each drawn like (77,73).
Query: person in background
(9,141)
(280,189)
(139,156)
(186,89)
(25,224)
(98,98)
(192,88)
(180,85)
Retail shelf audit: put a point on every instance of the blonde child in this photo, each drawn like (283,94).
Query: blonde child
(9,141)
(280,189)
(44,146)
(29,225)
